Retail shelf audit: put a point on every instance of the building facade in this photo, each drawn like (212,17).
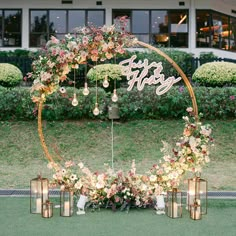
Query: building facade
(191,25)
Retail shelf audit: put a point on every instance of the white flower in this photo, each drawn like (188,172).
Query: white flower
(73,177)
(189,109)
(63,171)
(81,165)
(143,187)
(78,185)
(153,178)
(62,90)
(186,118)
(205,131)
(100,185)
(207,159)
(50,165)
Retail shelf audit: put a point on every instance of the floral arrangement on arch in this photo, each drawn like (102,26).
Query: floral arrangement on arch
(59,57)
(123,190)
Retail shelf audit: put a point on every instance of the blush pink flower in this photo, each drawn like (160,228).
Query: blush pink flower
(55,40)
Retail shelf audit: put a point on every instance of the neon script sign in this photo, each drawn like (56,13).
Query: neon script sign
(138,72)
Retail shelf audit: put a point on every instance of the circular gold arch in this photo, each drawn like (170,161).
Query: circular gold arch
(145,45)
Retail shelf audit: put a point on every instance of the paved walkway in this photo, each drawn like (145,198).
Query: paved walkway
(56,193)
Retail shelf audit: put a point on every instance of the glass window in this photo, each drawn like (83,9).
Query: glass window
(76,19)
(178,28)
(1,38)
(220,30)
(140,22)
(45,23)
(38,28)
(11,24)
(38,21)
(159,27)
(232,38)
(203,28)
(95,18)
(162,27)
(119,13)
(57,20)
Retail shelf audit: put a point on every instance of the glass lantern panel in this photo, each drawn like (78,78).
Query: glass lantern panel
(44,190)
(66,203)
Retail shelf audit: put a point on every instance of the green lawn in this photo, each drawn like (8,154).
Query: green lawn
(22,158)
(16,220)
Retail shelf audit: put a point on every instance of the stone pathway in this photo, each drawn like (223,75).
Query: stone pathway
(56,193)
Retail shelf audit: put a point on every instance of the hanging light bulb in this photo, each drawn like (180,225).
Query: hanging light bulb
(96,110)
(105,82)
(114,97)
(75,101)
(86,90)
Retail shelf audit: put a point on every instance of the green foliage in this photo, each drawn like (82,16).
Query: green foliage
(216,74)
(15,53)
(183,60)
(10,75)
(99,72)
(207,57)
(59,107)
(214,103)
(16,104)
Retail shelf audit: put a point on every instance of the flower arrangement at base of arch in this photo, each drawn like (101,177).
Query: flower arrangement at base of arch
(123,190)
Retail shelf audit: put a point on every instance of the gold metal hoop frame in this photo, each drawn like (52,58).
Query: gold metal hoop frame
(145,45)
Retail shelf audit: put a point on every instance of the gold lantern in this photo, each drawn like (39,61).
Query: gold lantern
(113,112)
(47,209)
(174,203)
(66,202)
(195,211)
(197,192)
(38,194)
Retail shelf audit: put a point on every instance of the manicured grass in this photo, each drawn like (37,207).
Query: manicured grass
(22,158)
(16,220)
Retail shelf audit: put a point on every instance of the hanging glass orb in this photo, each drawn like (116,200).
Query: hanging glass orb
(105,82)
(86,90)
(75,101)
(114,97)
(96,110)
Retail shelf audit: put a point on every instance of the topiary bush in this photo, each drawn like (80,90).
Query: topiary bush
(10,75)
(216,74)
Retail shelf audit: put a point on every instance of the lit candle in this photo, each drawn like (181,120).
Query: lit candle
(66,208)
(38,205)
(173,210)
(196,212)
(189,199)
(47,213)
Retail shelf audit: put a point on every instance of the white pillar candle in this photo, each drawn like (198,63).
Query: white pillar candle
(196,212)
(67,208)
(38,205)
(47,213)
(173,210)
(189,200)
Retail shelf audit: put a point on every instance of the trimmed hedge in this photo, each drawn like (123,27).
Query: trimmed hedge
(10,75)
(216,74)
(214,103)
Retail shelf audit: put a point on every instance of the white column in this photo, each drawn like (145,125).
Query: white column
(108,18)
(192,26)
(25,28)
